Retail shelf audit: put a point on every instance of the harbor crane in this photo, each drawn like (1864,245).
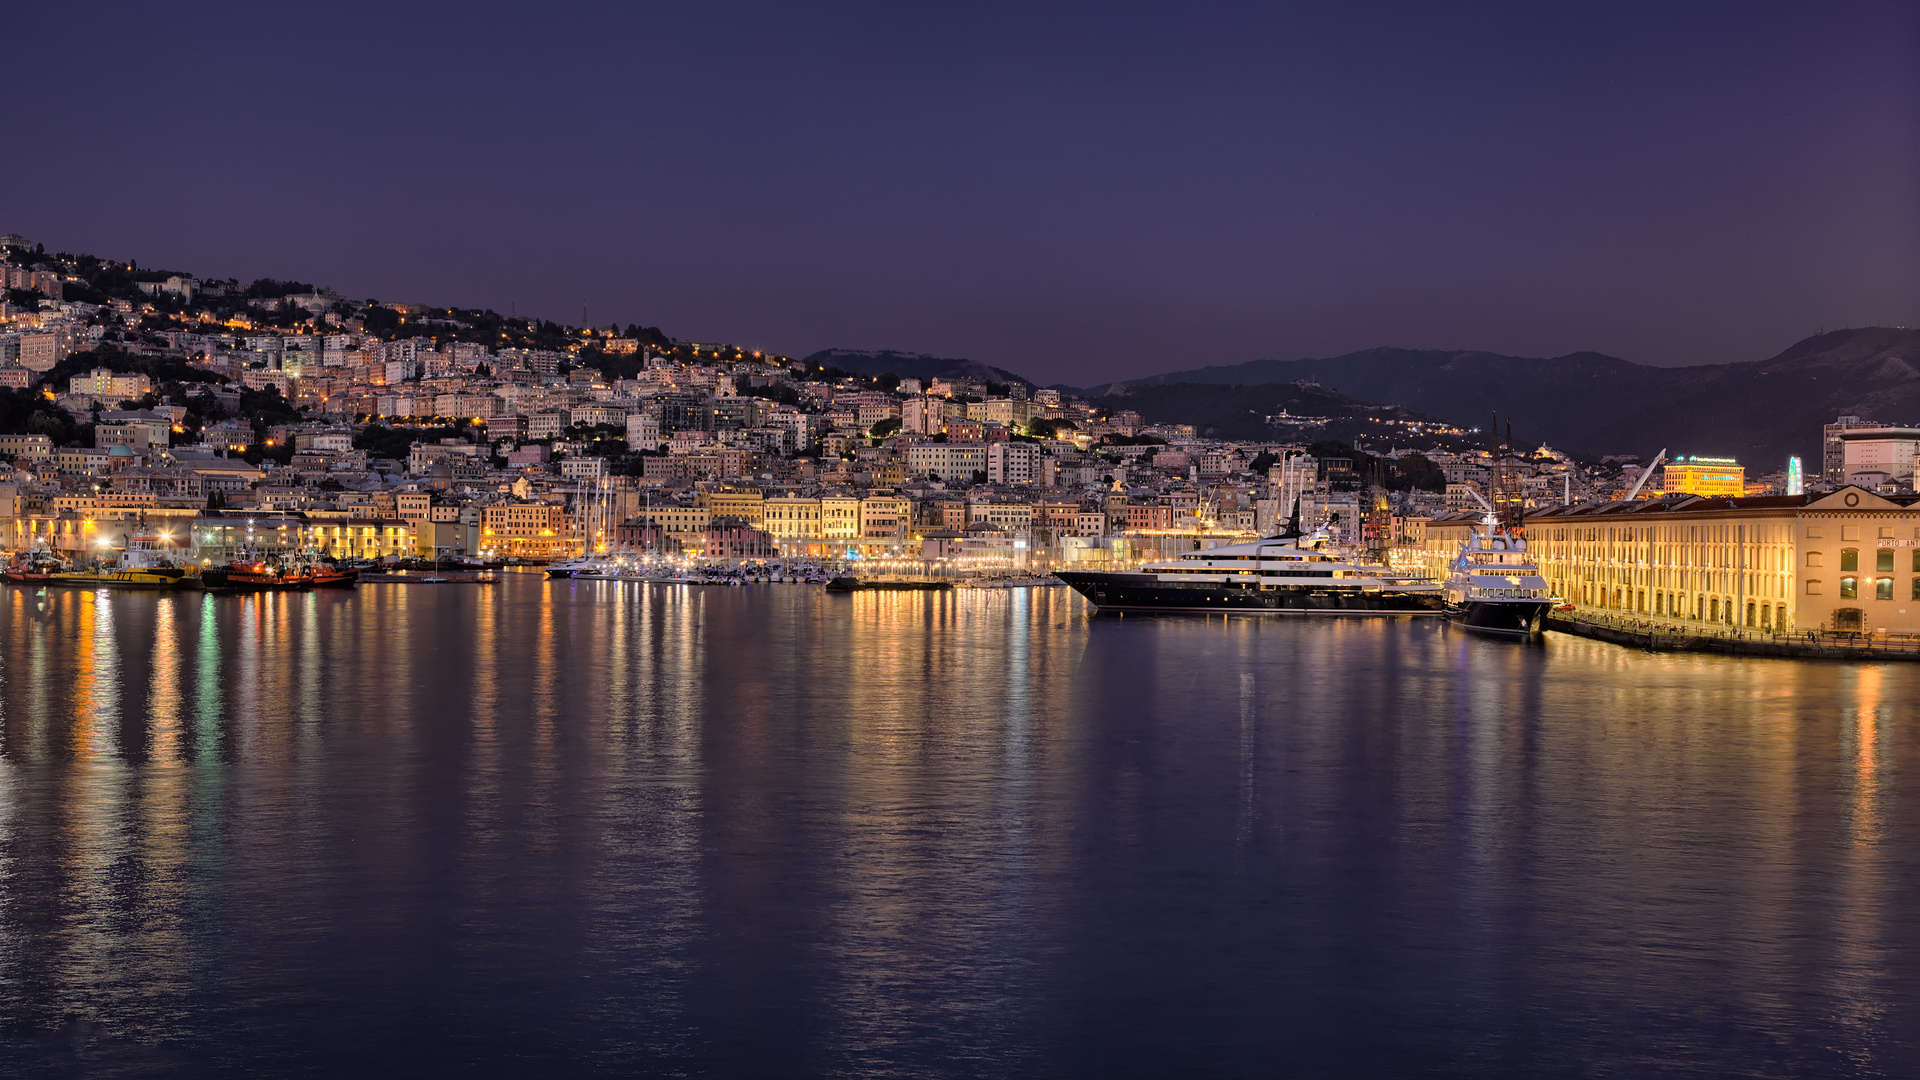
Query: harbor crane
(1646,472)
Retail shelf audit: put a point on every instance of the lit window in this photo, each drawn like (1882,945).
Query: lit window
(1883,561)
(1883,588)
(1849,588)
(1850,559)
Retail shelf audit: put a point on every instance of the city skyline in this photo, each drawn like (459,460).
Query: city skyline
(1076,200)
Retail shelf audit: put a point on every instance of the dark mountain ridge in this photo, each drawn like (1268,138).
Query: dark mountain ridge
(1593,404)
(907,365)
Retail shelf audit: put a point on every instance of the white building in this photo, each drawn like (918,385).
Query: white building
(950,462)
(583,468)
(1872,456)
(643,431)
(108,385)
(1013,463)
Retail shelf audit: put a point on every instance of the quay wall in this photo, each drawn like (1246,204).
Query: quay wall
(1664,637)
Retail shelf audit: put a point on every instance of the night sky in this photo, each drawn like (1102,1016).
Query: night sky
(1080,194)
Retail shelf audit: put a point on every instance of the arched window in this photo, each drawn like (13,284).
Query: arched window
(1849,588)
(1883,588)
(1883,561)
(1850,559)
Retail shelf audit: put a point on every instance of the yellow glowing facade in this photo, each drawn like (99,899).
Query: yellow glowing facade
(1709,476)
(1844,561)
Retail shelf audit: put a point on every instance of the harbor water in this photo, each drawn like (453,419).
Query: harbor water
(601,828)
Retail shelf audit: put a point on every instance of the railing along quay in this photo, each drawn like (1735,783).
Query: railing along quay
(1658,635)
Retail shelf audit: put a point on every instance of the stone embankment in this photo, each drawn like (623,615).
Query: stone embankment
(1660,636)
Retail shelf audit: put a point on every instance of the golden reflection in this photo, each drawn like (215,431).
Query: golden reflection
(96,678)
(1866,804)
(1861,918)
(163,693)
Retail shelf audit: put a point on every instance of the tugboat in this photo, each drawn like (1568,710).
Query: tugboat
(253,572)
(321,574)
(1288,574)
(141,566)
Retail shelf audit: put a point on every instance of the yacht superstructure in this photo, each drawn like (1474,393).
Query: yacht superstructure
(1283,575)
(1494,586)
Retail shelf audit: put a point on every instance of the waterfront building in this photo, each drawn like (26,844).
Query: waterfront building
(791,517)
(361,537)
(732,538)
(840,517)
(526,530)
(749,507)
(885,517)
(1847,560)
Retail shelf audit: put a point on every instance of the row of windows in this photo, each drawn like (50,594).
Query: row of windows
(1850,588)
(1883,560)
(1708,534)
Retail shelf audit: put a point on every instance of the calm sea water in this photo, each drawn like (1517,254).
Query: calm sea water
(577,828)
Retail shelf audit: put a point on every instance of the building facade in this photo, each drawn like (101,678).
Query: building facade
(1847,560)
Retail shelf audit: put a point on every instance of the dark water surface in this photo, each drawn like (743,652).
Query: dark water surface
(560,828)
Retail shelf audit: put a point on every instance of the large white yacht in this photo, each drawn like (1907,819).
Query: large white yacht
(1282,575)
(1494,586)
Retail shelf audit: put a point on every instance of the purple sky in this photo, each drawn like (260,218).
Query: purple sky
(1081,195)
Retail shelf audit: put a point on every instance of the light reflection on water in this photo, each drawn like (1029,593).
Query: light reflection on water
(590,827)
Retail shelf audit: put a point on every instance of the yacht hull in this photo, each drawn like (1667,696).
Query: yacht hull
(1520,619)
(1146,593)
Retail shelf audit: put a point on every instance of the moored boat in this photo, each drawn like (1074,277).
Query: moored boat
(1282,575)
(1495,587)
(261,576)
(32,568)
(142,565)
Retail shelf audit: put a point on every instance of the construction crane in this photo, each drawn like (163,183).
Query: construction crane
(1646,472)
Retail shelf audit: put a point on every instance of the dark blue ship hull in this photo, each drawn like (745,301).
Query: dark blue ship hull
(1146,593)
(1521,619)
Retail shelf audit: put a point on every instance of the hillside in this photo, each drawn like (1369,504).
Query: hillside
(1225,411)
(908,365)
(1592,404)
